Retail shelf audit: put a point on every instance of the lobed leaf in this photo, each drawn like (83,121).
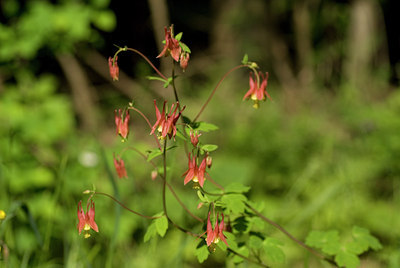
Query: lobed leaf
(202,252)
(151,232)
(235,203)
(237,187)
(161,225)
(273,251)
(347,259)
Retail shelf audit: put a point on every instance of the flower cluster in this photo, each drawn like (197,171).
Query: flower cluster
(257,91)
(86,221)
(166,123)
(173,47)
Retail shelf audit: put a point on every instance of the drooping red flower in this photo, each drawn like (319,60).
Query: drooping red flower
(171,45)
(216,234)
(86,221)
(195,173)
(120,167)
(166,123)
(114,69)
(257,92)
(194,137)
(184,60)
(122,123)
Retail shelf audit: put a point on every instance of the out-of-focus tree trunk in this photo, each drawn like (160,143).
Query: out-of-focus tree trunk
(362,35)
(82,95)
(302,31)
(223,38)
(160,19)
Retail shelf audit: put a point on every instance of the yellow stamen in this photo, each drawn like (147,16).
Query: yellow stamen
(2,215)
(86,227)
(87,235)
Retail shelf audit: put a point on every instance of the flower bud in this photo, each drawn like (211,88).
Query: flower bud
(154,175)
(209,161)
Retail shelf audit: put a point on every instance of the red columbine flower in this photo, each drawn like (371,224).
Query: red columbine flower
(86,221)
(214,235)
(257,92)
(122,123)
(195,173)
(166,123)
(194,138)
(184,60)
(114,70)
(171,45)
(120,167)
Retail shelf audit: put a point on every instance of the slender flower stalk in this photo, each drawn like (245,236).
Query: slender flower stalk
(215,90)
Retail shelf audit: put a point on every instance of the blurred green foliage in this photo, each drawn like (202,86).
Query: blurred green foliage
(329,164)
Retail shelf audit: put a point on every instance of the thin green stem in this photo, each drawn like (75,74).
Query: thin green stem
(125,207)
(165,178)
(280,228)
(163,194)
(215,90)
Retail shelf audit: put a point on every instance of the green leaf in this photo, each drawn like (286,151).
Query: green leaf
(347,259)
(203,126)
(257,222)
(241,224)
(156,78)
(231,239)
(161,225)
(185,47)
(327,241)
(203,198)
(237,187)
(209,147)
(151,232)
(245,59)
(255,242)
(202,251)
(365,239)
(180,135)
(168,82)
(273,251)
(178,36)
(154,154)
(235,203)
(244,251)
(157,152)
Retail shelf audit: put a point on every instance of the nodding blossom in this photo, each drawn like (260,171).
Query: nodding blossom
(257,91)
(216,234)
(114,69)
(195,173)
(166,123)
(122,123)
(86,221)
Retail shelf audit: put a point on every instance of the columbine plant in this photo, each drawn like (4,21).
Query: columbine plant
(241,240)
